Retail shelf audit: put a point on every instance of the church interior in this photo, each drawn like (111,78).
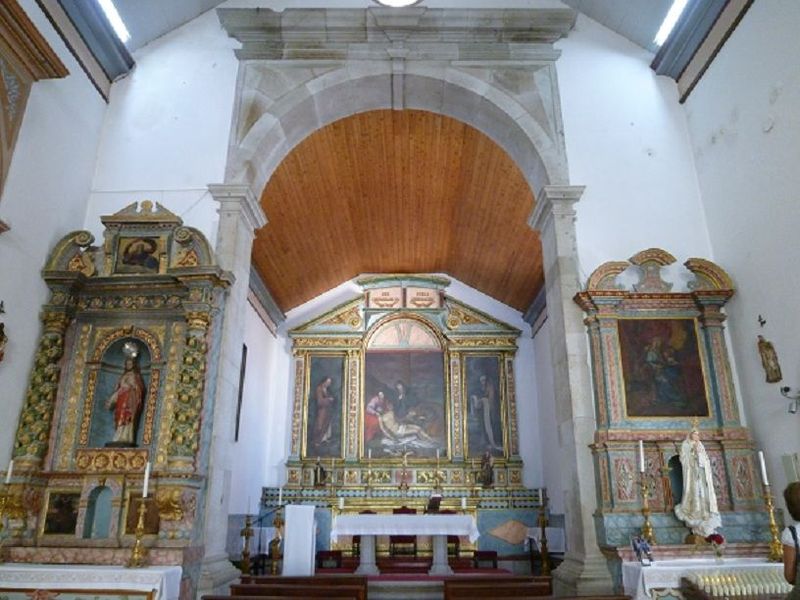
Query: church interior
(398,299)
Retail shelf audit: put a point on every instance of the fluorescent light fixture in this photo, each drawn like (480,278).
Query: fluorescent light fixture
(116,21)
(397,3)
(668,24)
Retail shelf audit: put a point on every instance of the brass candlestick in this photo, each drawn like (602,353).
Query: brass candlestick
(775,546)
(246,533)
(275,544)
(139,553)
(648,534)
(546,565)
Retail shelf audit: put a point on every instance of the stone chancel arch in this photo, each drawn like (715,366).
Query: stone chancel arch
(491,69)
(299,73)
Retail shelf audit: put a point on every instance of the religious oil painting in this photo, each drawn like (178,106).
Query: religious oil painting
(61,517)
(122,382)
(404,392)
(137,255)
(662,368)
(324,387)
(484,413)
(151,519)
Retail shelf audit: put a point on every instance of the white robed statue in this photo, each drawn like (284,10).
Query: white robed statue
(698,507)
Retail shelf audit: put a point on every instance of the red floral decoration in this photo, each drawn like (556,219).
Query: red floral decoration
(716,538)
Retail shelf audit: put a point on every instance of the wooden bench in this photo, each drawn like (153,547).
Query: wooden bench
(343,579)
(276,597)
(297,589)
(496,588)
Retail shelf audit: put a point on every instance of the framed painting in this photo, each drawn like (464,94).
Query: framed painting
(151,517)
(324,406)
(662,368)
(138,255)
(61,513)
(404,411)
(484,405)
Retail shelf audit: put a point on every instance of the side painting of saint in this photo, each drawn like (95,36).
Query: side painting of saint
(404,410)
(484,415)
(137,255)
(324,407)
(120,395)
(662,368)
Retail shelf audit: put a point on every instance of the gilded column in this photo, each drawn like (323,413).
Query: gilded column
(457,430)
(584,570)
(712,319)
(351,430)
(300,358)
(189,393)
(511,394)
(33,431)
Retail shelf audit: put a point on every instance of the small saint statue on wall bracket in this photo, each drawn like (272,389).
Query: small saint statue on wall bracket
(769,360)
(320,476)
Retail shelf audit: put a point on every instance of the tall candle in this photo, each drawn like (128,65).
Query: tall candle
(437,453)
(280,496)
(369,453)
(764,479)
(146,480)
(641,456)
(10,471)
(463,503)
(341,502)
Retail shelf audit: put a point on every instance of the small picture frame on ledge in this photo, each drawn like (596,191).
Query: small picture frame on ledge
(642,550)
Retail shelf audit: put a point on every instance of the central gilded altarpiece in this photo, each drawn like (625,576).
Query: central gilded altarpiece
(404,392)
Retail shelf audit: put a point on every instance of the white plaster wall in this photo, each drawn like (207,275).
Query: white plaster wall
(745,133)
(165,136)
(627,142)
(44,198)
(250,471)
(282,382)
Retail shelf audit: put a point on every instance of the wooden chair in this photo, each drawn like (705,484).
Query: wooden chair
(485,559)
(453,541)
(329,559)
(407,540)
(357,538)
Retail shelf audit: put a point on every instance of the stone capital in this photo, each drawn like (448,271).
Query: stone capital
(554,200)
(237,197)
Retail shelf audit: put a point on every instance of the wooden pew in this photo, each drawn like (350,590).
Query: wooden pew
(359,592)
(274,597)
(498,588)
(327,579)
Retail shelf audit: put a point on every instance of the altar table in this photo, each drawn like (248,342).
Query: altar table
(638,580)
(164,582)
(437,526)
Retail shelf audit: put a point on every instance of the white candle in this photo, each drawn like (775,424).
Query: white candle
(437,453)
(341,502)
(463,503)
(10,471)
(249,505)
(764,479)
(280,496)
(146,480)
(641,456)
(369,453)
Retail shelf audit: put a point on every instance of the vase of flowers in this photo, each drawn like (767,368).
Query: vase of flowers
(717,541)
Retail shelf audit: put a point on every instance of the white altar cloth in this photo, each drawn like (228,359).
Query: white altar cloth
(405,525)
(638,580)
(165,581)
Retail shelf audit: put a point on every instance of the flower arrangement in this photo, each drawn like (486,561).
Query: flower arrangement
(717,541)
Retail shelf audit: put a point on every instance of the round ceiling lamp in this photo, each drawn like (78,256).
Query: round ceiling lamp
(397,3)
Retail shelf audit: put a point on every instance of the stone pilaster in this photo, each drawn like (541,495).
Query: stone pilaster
(584,570)
(240,215)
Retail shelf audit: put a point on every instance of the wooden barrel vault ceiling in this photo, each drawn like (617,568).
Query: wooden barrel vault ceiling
(398,192)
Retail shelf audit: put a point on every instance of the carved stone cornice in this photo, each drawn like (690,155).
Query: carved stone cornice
(554,201)
(239,198)
(404,33)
